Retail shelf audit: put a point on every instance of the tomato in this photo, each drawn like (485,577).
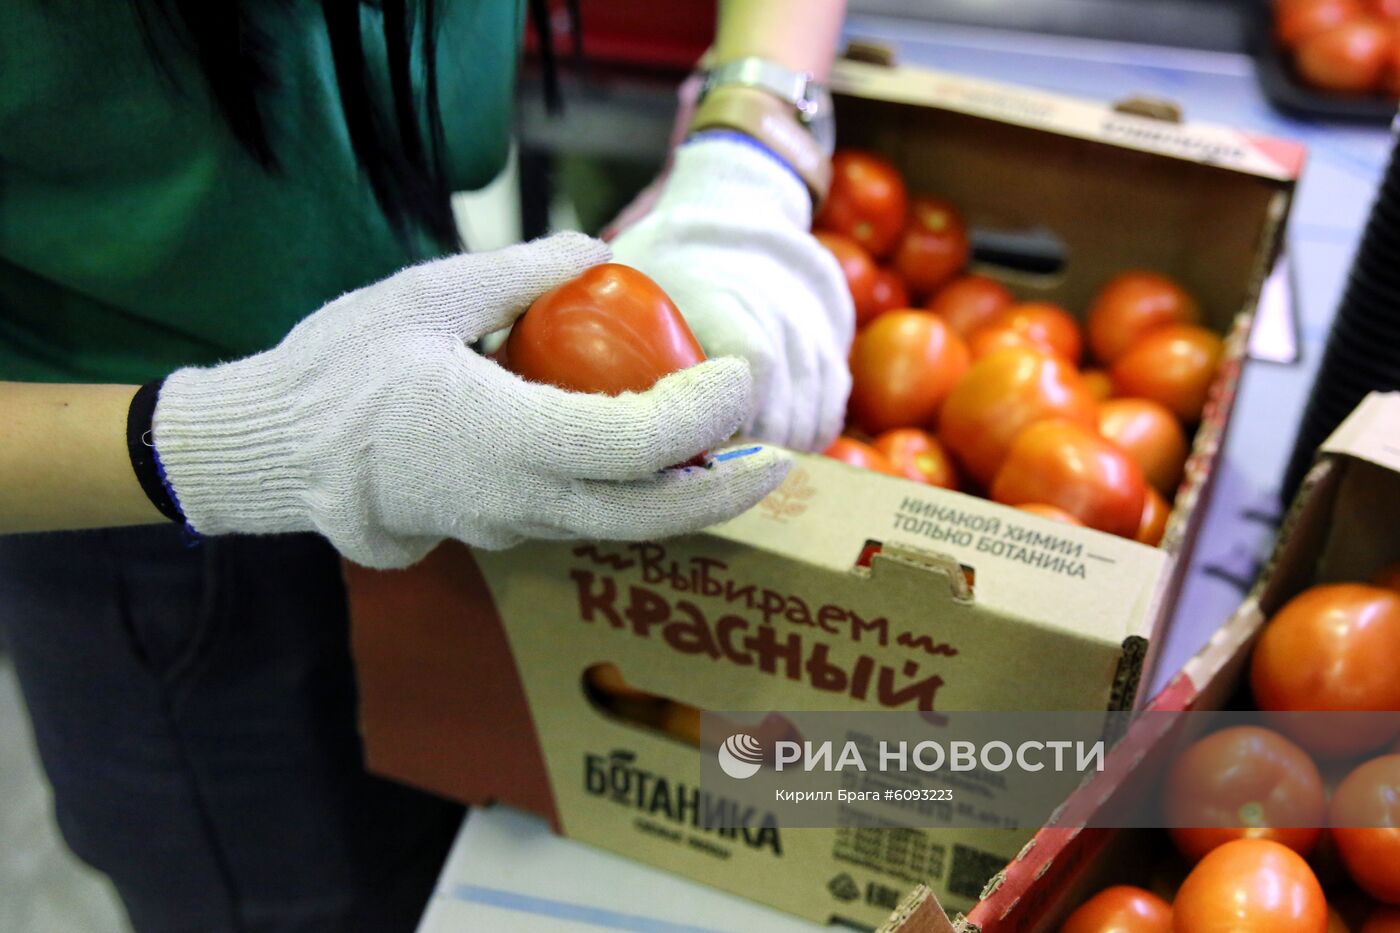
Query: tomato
(1151,435)
(1386,9)
(1390,84)
(682,722)
(1332,647)
(1046,325)
(607,679)
(970,302)
(987,340)
(1387,577)
(610,330)
(1244,782)
(859,269)
(1365,821)
(1250,886)
(1121,909)
(1098,384)
(1129,306)
(1054,513)
(867,201)
(1382,920)
(887,294)
(858,453)
(934,247)
(1066,464)
(1352,57)
(1153,524)
(902,367)
(1298,19)
(1172,365)
(918,455)
(1000,395)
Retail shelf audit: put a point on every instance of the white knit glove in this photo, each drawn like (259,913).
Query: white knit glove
(373,423)
(728,242)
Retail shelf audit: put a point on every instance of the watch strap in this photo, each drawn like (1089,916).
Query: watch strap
(782,82)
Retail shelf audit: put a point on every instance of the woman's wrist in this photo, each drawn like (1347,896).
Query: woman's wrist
(772,123)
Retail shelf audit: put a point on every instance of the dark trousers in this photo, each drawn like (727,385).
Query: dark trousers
(194,709)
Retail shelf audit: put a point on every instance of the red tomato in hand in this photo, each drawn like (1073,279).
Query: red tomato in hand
(1250,886)
(1046,325)
(887,294)
(1353,57)
(1129,306)
(934,247)
(1065,464)
(1172,365)
(918,455)
(858,453)
(1365,821)
(1054,513)
(867,201)
(1298,19)
(902,367)
(610,330)
(1121,909)
(970,302)
(1153,524)
(1002,394)
(1151,435)
(1332,647)
(1244,782)
(859,269)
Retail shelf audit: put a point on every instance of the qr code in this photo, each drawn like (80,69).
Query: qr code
(972,869)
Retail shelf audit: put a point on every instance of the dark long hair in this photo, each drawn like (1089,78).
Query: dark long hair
(400,153)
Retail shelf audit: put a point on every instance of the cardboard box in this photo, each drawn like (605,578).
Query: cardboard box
(845,589)
(1343,527)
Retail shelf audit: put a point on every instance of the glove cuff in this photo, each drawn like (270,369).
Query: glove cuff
(225,438)
(726,175)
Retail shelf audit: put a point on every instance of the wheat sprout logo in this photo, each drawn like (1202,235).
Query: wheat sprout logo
(791,498)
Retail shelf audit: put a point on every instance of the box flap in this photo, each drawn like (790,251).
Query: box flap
(1371,432)
(1203,143)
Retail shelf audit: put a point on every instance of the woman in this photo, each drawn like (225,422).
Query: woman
(184,183)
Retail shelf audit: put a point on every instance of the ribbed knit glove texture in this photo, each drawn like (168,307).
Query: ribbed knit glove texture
(376,425)
(728,241)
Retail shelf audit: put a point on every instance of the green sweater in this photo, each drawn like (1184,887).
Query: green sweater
(137,235)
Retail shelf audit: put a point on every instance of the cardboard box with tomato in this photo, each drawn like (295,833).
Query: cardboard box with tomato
(480,673)
(1344,527)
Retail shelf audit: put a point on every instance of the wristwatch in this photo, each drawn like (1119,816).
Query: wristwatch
(808,97)
(787,111)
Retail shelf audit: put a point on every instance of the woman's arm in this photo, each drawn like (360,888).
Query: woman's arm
(798,34)
(63,459)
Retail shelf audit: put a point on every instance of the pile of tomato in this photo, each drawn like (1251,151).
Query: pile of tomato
(1334,647)
(957,383)
(1351,46)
